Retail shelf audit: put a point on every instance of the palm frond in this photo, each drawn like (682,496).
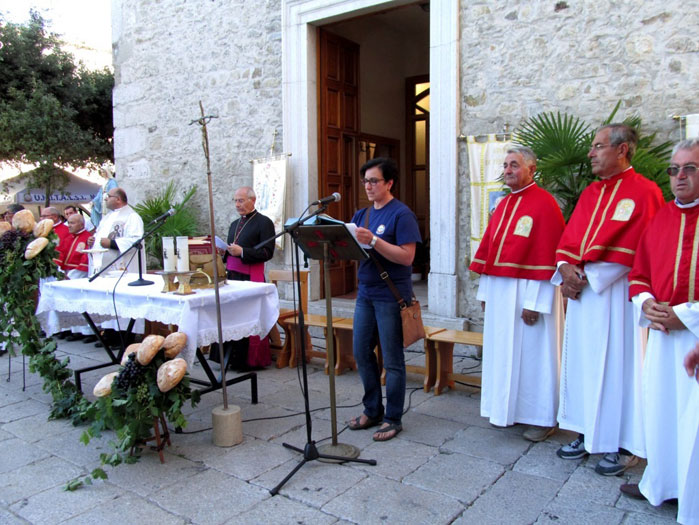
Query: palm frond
(183,222)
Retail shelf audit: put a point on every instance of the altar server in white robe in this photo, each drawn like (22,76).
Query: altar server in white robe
(601,356)
(664,284)
(523,314)
(117,231)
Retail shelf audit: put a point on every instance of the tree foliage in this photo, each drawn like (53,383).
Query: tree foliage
(53,113)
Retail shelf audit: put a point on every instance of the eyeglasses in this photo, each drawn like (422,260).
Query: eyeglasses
(372,182)
(689,170)
(598,146)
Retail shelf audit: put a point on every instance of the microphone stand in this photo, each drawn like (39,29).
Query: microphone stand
(310,451)
(138,244)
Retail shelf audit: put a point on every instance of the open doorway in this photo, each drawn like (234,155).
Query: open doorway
(369,69)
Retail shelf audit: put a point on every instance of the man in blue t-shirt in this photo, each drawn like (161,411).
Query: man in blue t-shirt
(392,232)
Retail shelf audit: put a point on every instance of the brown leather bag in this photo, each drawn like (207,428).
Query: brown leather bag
(410,314)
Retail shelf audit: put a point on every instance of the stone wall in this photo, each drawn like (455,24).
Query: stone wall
(522,58)
(169,55)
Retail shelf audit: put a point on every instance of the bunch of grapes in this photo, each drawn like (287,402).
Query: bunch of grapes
(8,240)
(142,393)
(131,375)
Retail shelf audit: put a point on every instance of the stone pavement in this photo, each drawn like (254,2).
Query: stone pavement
(448,465)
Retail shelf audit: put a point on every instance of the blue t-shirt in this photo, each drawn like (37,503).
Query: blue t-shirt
(397,224)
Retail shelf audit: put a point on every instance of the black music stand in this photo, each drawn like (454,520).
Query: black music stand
(323,242)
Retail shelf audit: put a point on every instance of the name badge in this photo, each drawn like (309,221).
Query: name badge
(624,209)
(524,226)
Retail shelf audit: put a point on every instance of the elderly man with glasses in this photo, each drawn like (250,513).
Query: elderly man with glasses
(664,286)
(601,357)
(244,262)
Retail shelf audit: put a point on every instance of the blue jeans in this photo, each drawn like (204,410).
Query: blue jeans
(382,319)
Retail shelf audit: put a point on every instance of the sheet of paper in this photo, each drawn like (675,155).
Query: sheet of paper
(353,230)
(220,243)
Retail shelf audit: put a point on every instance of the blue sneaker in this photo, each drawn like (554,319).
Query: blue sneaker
(573,450)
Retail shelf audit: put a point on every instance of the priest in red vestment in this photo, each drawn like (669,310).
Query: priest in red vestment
(60,228)
(523,313)
(71,258)
(601,358)
(664,284)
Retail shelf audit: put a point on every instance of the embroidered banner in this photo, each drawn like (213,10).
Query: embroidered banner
(485,159)
(269,183)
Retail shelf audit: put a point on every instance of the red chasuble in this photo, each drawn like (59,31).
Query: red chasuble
(70,252)
(609,219)
(520,240)
(666,262)
(62,231)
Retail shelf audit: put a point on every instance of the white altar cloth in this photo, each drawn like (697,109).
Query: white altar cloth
(247,308)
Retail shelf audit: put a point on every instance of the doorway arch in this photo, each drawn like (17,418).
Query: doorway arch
(300,117)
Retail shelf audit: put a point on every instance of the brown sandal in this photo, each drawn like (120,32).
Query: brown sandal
(356,424)
(391,427)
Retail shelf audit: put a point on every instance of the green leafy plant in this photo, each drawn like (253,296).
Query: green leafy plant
(130,410)
(19,285)
(561,143)
(183,222)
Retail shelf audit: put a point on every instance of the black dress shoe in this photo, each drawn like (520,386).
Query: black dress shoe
(631,490)
(90,339)
(75,337)
(63,334)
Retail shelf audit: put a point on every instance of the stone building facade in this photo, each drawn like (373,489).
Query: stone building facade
(491,63)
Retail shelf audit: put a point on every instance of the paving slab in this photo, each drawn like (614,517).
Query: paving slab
(209,497)
(541,460)
(35,477)
(430,430)
(249,459)
(397,460)
(149,475)
(280,510)
(495,445)
(126,509)
(314,484)
(21,409)
(459,476)
(378,500)
(55,505)
(515,498)
(34,428)
(16,453)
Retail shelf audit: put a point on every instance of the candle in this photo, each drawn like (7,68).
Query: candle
(183,254)
(169,260)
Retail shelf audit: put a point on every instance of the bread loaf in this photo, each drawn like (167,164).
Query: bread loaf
(34,248)
(148,348)
(171,373)
(5,227)
(174,343)
(129,350)
(43,227)
(104,386)
(23,221)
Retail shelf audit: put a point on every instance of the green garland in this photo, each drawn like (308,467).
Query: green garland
(129,412)
(19,285)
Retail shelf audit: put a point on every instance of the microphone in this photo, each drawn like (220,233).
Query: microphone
(335,197)
(164,216)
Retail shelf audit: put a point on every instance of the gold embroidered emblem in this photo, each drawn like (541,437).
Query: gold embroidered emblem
(624,209)
(524,226)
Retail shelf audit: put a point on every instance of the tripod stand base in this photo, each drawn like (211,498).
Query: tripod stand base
(341,449)
(140,282)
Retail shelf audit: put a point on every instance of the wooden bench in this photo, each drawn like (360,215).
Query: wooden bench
(290,325)
(283,352)
(439,359)
(344,358)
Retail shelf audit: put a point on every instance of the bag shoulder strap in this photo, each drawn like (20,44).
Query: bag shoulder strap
(383,273)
